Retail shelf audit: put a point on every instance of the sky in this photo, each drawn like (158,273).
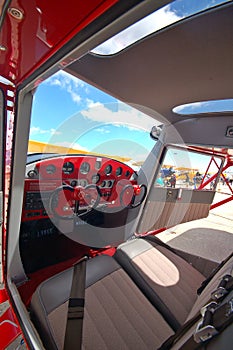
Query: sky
(181,158)
(69,112)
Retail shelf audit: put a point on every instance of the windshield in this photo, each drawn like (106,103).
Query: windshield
(71,117)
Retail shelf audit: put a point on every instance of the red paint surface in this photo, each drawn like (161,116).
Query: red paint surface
(43,30)
(3,295)
(9,328)
(45,27)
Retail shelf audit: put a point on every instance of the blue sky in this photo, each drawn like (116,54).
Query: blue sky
(69,112)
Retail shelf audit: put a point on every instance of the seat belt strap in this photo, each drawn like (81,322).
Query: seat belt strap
(182,330)
(209,278)
(156,240)
(74,325)
(224,288)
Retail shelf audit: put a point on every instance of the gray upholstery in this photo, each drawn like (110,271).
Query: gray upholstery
(117,314)
(55,292)
(120,313)
(175,281)
(52,291)
(161,273)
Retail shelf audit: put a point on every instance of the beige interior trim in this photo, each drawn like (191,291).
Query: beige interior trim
(168,207)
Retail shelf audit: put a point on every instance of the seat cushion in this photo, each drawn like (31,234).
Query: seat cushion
(117,315)
(165,278)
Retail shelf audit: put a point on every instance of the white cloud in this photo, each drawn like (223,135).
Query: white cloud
(155,21)
(68,83)
(131,118)
(35,130)
(64,79)
(55,81)
(92,104)
(103,130)
(75,97)
(54,132)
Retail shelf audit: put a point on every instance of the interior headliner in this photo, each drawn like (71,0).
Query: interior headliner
(187,62)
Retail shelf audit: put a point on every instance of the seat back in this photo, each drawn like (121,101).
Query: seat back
(166,207)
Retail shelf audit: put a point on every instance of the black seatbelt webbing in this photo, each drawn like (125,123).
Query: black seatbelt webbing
(217,316)
(155,239)
(74,325)
(209,278)
(175,337)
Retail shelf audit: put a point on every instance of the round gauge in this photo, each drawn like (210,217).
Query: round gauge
(119,171)
(127,173)
(85,167)
(50,169)
(68,168)
(98,164)
(109,183)
(108,169)
(83,182)
(32,173)
(95,178)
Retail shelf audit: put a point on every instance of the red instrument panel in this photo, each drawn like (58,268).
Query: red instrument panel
(48,174)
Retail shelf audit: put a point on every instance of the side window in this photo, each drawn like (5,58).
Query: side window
(184,168)
(183,189)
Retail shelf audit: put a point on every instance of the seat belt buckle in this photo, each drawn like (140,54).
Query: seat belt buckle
(224,287)
(204,333)
(219,293)
(208,307)
(205,330)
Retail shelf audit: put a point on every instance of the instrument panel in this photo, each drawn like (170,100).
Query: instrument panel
(44,176)
(41,232)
